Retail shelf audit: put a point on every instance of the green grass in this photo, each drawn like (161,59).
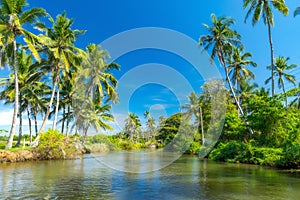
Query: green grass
(3,144)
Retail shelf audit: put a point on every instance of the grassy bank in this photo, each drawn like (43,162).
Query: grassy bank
(52,146)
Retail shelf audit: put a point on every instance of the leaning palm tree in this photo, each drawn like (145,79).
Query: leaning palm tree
(222,40)
(62,53)
(281,66)
(264,8)
(12,21)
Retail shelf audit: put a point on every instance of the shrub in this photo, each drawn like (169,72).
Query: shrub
(239,152)
(53,145)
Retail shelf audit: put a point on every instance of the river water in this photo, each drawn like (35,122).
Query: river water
(186,178)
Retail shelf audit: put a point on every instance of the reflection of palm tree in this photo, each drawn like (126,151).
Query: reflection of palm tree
(264,8)
(281,66)
(12,21)
(195,108)
(222,39)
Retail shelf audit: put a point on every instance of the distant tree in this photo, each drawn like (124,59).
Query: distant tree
(132,127)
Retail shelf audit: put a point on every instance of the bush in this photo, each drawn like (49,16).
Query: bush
(239,152)
(53,145)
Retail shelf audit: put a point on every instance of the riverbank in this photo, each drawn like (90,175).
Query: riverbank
(52,146)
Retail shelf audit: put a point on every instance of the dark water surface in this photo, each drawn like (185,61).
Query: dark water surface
(187,178)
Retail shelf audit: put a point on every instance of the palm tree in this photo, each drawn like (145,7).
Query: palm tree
(95,80)
(194,108)
(222,40)
(100,79)
(132,127)
(281,66)
(95,115)
(237,64)
(264,8)
(29,78)
(150,124)
(12,21)
(62,53)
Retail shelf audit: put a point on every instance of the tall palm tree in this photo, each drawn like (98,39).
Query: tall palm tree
(281,66)
(95,80)
(264,8)
(62,53)
(222,40)
(12,21)
(29,78)
(194,108)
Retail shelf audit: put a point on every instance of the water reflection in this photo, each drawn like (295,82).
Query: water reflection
(187,178)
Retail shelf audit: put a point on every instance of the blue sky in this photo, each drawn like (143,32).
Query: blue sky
(103,19)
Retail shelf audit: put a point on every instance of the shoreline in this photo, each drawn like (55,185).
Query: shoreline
(7,156)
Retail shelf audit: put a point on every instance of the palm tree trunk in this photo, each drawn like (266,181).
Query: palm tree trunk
(272,56)
(50,103)
(36,141)
(221,58)
(63,120)
(15,114)
(202,128)
(35,124)
(20,128)
(68,120)
(283,89)
(29,123)
(56,110)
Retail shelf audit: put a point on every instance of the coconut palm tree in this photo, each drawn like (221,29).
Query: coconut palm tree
(237,67)
(62,53)
(222,40)
(263,8)
(29,78)
(132,127)
(12,21)
(94,80)
(281,66)
(95,115)
(194,108)
(150,124)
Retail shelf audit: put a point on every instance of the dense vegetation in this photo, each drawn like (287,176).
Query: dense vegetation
(260,127)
